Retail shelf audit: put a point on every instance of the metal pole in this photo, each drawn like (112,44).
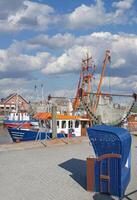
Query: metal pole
(54,121)
(106,60)
(42,99)
(112,94)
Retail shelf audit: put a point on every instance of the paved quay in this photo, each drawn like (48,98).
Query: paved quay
(54,172)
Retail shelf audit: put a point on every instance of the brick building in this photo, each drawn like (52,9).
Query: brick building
(14,102)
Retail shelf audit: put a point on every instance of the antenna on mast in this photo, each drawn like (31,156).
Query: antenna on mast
(42,95)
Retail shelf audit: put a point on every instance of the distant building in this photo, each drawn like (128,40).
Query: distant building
(63,105)
(14,102)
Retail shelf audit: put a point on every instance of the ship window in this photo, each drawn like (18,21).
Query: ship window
(63,124)
(57,124)
(42,123)
(70,124)
(47,124)
(76,124)
(84,124)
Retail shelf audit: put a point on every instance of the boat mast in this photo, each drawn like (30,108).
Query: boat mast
(106,60)
(84,85)
(42,96)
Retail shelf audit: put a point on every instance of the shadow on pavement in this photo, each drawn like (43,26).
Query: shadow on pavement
(77,168)
(127,195)
(98,196)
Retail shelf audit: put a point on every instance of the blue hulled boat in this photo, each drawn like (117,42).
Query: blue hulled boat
(27,135)
(67,126)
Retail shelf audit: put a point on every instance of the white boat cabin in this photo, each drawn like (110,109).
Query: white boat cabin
(78,127)
(19,116)
(65,124)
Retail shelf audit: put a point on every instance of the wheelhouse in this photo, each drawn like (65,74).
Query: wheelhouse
(65,124)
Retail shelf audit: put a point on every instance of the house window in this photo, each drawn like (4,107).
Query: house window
(1,107)
(12,107)
(7,106)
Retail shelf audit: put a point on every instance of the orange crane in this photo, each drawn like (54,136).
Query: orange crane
(98,93)
(84,84)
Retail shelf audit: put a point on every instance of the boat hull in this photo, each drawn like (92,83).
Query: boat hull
(19,135)
(16,124)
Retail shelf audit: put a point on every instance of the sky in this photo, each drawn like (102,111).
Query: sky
(42,44)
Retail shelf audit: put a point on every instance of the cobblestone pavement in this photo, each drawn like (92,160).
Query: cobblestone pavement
(52,173)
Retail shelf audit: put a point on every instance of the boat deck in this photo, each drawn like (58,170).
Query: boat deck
(31,170)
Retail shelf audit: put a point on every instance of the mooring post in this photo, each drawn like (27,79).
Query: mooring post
(54,121)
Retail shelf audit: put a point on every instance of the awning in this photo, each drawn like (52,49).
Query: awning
(47,115)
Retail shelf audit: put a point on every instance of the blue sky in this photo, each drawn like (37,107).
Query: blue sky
(44,41)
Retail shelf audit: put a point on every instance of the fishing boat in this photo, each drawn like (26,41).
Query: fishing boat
(16,119)
(67,126)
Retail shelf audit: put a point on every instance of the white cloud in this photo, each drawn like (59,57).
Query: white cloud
(69,61)
(13,61)
(9,7)
(119,62)
(123,50)
(116,85)
(85,16)
(11,85)
(124,5)
(96,15)
(57,41)
(29,15)
(25,14)
(23,58)
(64,93)
(127,83)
